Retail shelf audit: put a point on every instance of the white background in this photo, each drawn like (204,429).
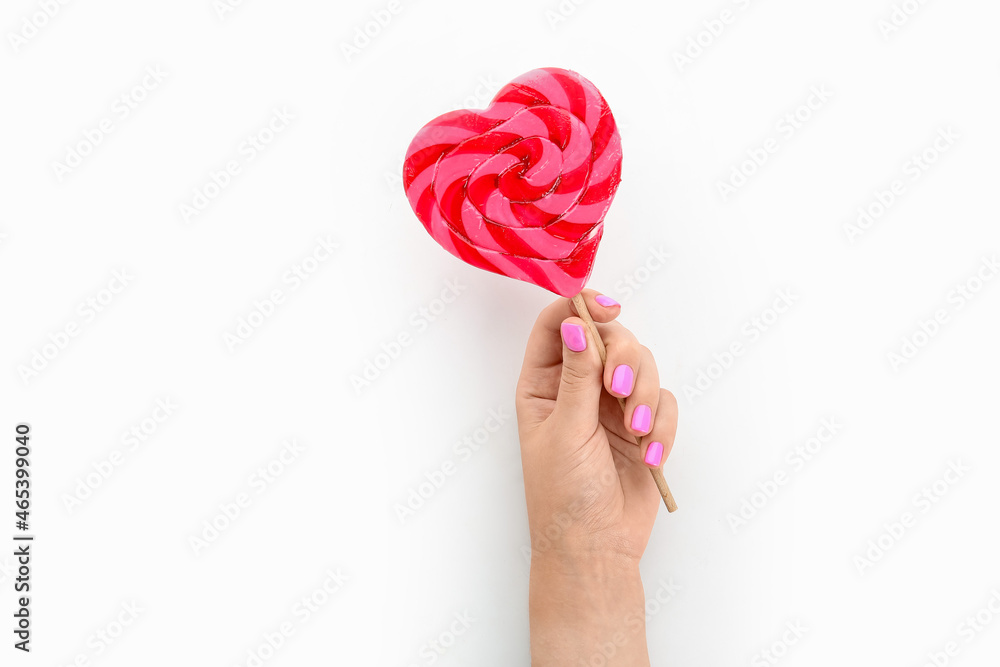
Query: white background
(333,173)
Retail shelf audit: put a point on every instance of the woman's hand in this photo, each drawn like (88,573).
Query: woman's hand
(591,500)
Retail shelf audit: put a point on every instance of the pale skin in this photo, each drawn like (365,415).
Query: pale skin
(591,499)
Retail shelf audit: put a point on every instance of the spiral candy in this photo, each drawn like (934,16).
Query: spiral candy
(522,187)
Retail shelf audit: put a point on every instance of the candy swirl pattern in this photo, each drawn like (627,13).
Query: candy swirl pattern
(522,187)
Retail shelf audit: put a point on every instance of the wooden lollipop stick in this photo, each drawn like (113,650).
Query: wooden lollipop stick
(661,482)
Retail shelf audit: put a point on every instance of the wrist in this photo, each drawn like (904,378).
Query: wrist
(587,608)
(595,568)
(573,538)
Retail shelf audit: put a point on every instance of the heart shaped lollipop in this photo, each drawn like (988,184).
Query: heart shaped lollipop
(521,188)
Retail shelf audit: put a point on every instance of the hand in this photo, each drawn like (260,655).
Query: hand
(591,500)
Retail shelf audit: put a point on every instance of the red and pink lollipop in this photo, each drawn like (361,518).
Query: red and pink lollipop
(522,187)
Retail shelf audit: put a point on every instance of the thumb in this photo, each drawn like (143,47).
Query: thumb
(579,396)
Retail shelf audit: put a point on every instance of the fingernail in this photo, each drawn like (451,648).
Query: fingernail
(573,336)
(640,419)
(621,381)
(654,454)
(606,301)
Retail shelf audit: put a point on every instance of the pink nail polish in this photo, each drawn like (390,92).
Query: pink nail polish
(606,301)
(654,454)
(574,337)
(621,381)
(641,417)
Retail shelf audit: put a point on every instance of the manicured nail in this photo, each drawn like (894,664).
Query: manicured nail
(606,301)
(621,381)
(641,417)
(654,454)
(573,336)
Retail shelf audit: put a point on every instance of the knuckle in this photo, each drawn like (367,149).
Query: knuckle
(628,347)
(576,374)
(668,400)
